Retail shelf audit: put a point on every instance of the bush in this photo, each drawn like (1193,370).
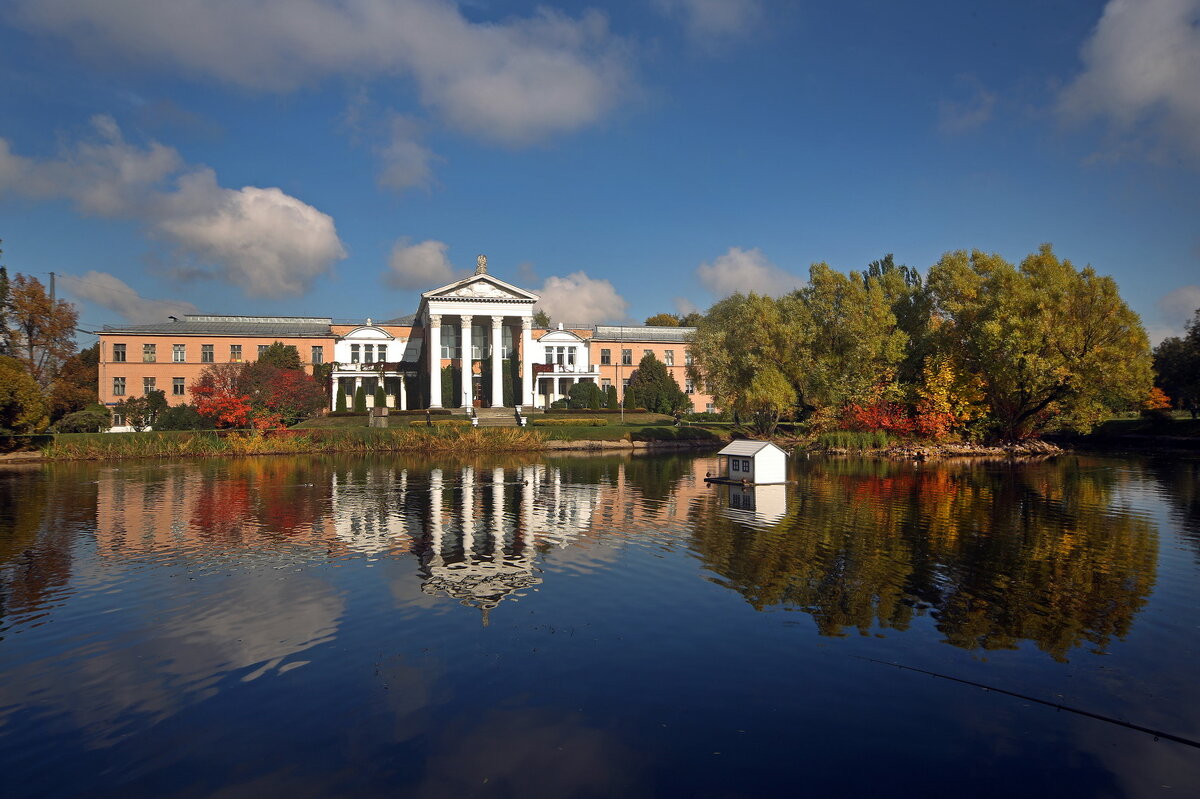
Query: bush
(91,419)
(341,400)
(854,439)
(380,397)
(590,411)
(569,422)
(347,413)
(360,400)
(181,417)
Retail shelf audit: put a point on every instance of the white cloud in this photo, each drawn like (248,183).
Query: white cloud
(407,163)
(419,266)
(580,299)
(109,291)
(1141,70)
(1179,306)
(264,241)
(745,271)
(684,306)
(513,81)
(969,112)
(711,23)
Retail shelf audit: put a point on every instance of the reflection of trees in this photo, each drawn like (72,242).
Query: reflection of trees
(1180,480)
(996,554)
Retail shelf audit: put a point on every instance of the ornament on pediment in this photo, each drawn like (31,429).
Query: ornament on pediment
(482,290)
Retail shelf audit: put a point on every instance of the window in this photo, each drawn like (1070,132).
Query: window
(745,464)
(624,383)
(261,349)
(178,353)
(206,353)
(689,386)
(118,386)
(605,383)
(736,463)
(381,352)
(118,420)
(627,357)
(605,357)
(177,386)
(118,353)
(147,385)
(710,408)
(647,352)
(149,353)
(355,353)
(235,353)
(368,353)
(687,357)
(669,357)
(318,355)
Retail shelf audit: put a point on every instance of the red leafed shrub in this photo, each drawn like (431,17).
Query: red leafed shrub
(890,417)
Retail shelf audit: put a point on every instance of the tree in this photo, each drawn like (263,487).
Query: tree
(281,356)
(182,417)
(360,400)
(142,412)
(219,397)
(340,407)
(1049,343)
(40,333)
(663,320)
(380,396)
(610,397)
(4,292)
(1177,367)
(22,408)
(691,319)
(652,387)
(584,395)
(541,319)
(75,386)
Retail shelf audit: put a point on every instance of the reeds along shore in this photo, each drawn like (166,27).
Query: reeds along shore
(447,441)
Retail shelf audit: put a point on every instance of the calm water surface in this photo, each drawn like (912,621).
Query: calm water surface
(328,626)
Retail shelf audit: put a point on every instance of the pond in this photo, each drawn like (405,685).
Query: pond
(598,626)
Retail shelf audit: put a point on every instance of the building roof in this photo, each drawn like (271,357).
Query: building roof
(746,447)
(649,333)
(205,325)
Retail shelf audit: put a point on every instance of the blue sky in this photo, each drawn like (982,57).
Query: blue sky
(336,158)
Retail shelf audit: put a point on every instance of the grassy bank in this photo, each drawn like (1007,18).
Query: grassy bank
(440,441)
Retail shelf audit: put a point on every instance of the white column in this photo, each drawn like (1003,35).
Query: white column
(497,362)
(498,515)
(528,389)
(435,515)
(467,378)
(402,400)
(468,513)
(435,361)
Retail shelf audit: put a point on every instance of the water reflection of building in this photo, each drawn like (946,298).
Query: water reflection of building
(760,504)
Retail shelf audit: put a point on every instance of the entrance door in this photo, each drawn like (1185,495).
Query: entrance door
(477,391)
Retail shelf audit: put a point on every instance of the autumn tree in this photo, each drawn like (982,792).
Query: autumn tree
(663,320)
(22,407)
(281,356)
(4,292)
(40,333)
(218,396)
(1049,343)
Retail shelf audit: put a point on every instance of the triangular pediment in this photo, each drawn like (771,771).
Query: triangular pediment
(481,287)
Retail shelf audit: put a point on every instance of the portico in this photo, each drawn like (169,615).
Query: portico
(475,330)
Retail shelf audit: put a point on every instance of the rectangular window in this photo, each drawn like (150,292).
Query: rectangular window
(261,349)
(687,358)
(147,385)
(149,353)
(118,420)
(624,382)
(745,464)
(318,355)
(605,357)
(118,386)
(627,357)
(235,353)
(368,353)
(177,386)
(689,386)
(710,408)
(381,352)
(605,383)
(669,357)
(118,353)
(355,354)
(206,353)
(178,353)
(737,464)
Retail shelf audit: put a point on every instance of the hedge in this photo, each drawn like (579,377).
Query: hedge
(590,411)
(569,422)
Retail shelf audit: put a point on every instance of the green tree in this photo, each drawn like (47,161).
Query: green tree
(75,386)
(652,387)
(1177,367)
(690,319)
(182,417)
(142,412)
(610,397)
(380,396)
(1050,344)
(663,320)
(360,400)
(584,395)
(22,407)
(92,419)
(340,407)
(4,291)
(541,319)
(281,356)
